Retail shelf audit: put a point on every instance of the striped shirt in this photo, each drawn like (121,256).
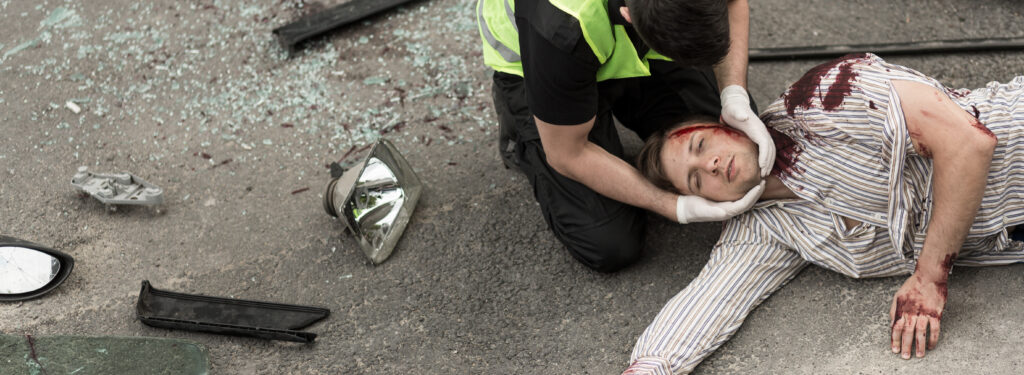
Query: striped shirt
(851,156)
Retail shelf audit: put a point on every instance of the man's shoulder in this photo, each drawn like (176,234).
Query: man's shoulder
(546,20)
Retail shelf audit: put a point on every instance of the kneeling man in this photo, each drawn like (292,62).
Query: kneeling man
(880,171)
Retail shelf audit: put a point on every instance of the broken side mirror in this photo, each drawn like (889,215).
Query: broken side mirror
(375,199)
(28,270)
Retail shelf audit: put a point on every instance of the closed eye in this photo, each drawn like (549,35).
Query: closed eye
(694,181)
(700,147)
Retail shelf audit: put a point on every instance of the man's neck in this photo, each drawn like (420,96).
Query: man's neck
(774,189)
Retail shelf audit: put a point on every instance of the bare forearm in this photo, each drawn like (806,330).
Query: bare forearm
(961,150)
(917,307)
(570,153)
(615,179)
(732,70)
(958,185)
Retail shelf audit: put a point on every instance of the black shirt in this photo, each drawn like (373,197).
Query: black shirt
(559,67)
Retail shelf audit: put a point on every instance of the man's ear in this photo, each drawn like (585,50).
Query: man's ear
(625,14)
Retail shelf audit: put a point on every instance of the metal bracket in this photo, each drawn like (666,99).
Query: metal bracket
(117,188)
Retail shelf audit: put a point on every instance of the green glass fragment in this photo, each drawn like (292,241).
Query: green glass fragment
(101,355)
(21,47)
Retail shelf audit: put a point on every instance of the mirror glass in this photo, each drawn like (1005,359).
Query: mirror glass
(25,270)
(376,202)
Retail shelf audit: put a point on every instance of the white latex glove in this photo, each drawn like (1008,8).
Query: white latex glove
(736,113)
(691,208)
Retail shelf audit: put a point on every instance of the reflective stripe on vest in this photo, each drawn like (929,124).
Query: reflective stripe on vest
(609,42)
(506,53)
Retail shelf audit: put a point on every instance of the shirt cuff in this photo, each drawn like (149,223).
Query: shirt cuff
(649,365)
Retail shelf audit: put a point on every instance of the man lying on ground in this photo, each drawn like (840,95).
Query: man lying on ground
(880,171)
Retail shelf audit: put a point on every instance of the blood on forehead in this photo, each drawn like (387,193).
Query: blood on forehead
(680,133)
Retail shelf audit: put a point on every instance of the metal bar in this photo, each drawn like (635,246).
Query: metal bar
(337,16)
(907,48)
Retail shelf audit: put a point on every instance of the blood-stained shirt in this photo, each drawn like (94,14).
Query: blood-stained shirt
(844,150)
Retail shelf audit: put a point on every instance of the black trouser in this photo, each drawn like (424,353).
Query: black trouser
(603,233)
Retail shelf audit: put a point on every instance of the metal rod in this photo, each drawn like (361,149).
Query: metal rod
(907,48)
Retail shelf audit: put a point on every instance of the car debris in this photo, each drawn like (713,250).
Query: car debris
(74,354)
(337,16)
(375,198)
(117,188)
(227,316)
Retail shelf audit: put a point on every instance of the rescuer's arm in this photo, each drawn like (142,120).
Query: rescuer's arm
(731,73)
(570,153)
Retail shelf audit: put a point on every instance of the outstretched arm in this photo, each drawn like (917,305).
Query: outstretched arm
(961,150)
(708,312)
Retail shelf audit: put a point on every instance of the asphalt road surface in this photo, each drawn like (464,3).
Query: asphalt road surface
(197,97)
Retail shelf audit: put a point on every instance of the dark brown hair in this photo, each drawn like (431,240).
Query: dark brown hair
(690,32)
(649,159)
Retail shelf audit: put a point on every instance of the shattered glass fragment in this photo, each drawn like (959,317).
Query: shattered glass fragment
(60,18)
(374,81)
(21,47)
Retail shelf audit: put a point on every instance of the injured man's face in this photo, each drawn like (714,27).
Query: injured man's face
(710,160)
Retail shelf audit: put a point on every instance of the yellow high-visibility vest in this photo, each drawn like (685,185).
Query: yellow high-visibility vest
(610,42)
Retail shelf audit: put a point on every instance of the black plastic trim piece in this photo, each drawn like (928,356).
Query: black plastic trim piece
(337,16)
(190,312)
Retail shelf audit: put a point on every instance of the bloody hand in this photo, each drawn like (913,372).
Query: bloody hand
(917,307)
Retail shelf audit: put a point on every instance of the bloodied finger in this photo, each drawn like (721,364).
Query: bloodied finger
(908,335)
(897,333)
(933,336)
(919,335)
